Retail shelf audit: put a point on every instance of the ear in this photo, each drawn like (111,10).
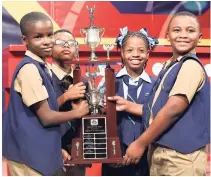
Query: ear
(148,51)
(167,36)
(23,39)
(200,37)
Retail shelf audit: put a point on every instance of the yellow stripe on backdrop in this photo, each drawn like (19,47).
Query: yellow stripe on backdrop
(162,42)
(18,9)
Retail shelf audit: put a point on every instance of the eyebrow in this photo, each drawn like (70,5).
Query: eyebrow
(180,27)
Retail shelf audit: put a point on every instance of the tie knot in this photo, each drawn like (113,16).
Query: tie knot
(66,82)
(126,79)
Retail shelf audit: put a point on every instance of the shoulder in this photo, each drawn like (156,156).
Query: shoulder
(28,69)
(192,66)
(153,79)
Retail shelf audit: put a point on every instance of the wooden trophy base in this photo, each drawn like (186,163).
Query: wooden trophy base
(113,152)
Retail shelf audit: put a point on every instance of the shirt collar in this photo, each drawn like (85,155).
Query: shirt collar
(59,72)
(38,59)
(143,75)
(35,57)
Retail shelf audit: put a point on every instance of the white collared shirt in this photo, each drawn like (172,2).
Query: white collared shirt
(59,72)
(132,81)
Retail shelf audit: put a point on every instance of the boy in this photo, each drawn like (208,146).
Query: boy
(64,49)
(179,106)
(31,130)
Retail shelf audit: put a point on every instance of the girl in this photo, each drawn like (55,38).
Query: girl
(134,84)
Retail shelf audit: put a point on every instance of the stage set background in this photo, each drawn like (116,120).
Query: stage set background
(111,15)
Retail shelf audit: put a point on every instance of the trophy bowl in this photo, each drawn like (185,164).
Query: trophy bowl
(92,38)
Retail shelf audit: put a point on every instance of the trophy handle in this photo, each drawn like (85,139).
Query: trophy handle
(103,31)
(82,31)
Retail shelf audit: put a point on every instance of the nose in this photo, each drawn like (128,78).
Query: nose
(47,41)
(66,45)
(183,34)
(136,53)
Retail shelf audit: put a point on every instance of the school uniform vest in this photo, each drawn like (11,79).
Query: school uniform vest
(68,129)
(130,127)
(25,140)
(192,129)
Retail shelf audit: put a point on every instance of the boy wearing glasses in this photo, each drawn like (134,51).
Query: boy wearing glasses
(64,49)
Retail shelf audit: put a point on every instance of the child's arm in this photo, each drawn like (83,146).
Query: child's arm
(74,92)
(174,107)
(50,117)
(125,105)
(189,80)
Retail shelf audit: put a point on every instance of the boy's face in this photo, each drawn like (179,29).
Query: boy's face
(183,34)
(39,39)
(135,54)
(64,46)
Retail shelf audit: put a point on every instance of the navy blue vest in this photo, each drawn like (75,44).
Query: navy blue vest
(25,140)
(69,129)
(129,131)
(192,129)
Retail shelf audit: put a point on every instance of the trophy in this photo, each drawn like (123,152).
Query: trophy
(96,140)
(92,34)
(93,97)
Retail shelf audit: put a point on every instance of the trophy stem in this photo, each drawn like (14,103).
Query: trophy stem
(93,57)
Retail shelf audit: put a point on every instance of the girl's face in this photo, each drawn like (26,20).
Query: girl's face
(183,34)
(135,54)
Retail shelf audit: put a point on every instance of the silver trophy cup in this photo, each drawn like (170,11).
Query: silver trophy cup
(91,35)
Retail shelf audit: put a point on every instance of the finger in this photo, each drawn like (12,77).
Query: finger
(80,95)
(69,157)
(120,108)
(79,84)
(124,161)
(67,164)
(128,161)
(113,98)
(83,91)
(81,87)
(137,161)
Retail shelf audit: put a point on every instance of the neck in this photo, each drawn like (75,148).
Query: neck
(176,54)
(65,67)
(134,73)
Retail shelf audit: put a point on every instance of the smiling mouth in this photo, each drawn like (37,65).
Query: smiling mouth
(183,42)
(135,61)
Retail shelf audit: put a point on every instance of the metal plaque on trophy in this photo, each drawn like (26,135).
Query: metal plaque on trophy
(97,140)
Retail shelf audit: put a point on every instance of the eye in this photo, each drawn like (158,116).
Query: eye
(50,35)
(59,42)
(129,50)
(38,36)
(176,29)
(142,51)
(191,30)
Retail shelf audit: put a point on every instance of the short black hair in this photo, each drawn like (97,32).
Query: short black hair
(31,18)
(184,13)
(63,31)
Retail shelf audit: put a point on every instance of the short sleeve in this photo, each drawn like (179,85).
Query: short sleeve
(30,85)
(190,79)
